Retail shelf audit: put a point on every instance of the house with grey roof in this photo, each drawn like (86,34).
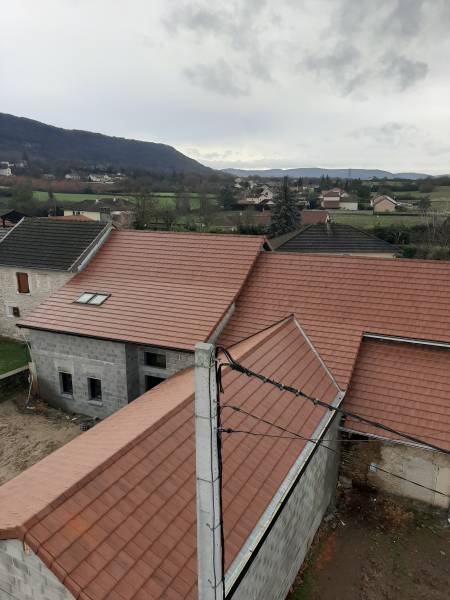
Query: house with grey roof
(100,209)
(334,238)
(39,255)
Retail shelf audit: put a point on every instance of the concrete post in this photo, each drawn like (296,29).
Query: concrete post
(209,525)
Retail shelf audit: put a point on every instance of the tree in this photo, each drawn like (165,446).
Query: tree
(227,197)
(22,196)
(183,203)
(285,213)
(425,204)
(206,207)
(426,186)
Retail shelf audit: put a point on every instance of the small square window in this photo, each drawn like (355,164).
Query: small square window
(12,311)
(95,389)
(66,383)
(23,287)
(155,359)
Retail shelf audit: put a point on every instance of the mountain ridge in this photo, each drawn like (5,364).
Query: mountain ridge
(319,172)
(40,141)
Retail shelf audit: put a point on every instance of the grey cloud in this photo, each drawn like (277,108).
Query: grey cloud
(341,58)
(403,71)
(391,133)
(218,77)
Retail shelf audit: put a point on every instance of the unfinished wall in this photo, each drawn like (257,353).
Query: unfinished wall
(426,467)
(42,283)
(23,576)
(175,361)
(279,559)
(83,358)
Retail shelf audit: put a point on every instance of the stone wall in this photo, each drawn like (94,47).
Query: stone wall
(42,283)
(23,576)
(280,556)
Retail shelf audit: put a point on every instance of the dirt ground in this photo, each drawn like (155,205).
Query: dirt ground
(378,548)
(27,436)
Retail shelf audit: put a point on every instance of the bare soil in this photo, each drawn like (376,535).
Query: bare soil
(378,548)
(26,436)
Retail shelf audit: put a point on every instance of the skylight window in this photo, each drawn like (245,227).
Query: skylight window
(91,298)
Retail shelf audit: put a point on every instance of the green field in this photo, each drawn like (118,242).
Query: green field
(165,199)
(368,221)
(13,355)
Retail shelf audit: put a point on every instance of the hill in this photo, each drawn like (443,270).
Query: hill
(54,144)
(318,172)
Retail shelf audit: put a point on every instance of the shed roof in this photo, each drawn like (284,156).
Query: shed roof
(116,518)
(312,217)
(334,238)
(166,289)
(41,243)
(337,298)
(403,385)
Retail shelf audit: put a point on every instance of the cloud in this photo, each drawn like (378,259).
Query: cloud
(403,71)
(219,78)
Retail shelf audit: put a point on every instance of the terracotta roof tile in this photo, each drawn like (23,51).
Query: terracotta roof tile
(167,289)
(404,386)
(337,298)
(133,535)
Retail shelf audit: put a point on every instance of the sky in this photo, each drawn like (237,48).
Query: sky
(240,83)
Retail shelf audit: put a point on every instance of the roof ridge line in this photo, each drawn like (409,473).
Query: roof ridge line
(317,353)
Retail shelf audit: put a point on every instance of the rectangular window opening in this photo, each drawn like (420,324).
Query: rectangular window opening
(95,389)
(12,311)
(155,359)
(151,382)
(23,286)
(66,383)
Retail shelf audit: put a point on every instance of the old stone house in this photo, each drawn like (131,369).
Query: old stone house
(37,256)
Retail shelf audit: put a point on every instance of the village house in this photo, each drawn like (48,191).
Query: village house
(37,256)
(314,217)
(338,198)
(119,521)
(260,197)
(384,204)
(333,238)
(132,317)
(5,169)
(100,209)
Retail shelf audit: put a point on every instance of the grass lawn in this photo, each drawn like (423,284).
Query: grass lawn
(13,355)
(63,197)
(368,221)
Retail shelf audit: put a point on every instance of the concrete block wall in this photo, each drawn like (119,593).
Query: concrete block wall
(175,361)
(282,553)
(120,367)
(82,357)
(23,576)
(42,284)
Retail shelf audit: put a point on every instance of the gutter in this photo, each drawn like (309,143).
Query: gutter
(415,341)
(254,542)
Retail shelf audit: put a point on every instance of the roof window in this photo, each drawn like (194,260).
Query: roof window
(92,298)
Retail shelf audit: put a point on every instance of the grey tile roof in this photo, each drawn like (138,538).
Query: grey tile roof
(334,238)
(41,243)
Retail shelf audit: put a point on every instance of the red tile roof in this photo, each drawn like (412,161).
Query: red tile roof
(167,289)
(404,386)
(337,298)
(313,217)
(116,520)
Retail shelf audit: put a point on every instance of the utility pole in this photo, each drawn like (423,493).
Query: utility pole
(209,512)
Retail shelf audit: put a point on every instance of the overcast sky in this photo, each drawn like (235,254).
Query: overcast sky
(242,83)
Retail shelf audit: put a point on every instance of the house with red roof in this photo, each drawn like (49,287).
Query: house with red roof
(132,317)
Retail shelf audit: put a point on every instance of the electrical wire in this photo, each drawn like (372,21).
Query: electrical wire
(316,441)
(236,366)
